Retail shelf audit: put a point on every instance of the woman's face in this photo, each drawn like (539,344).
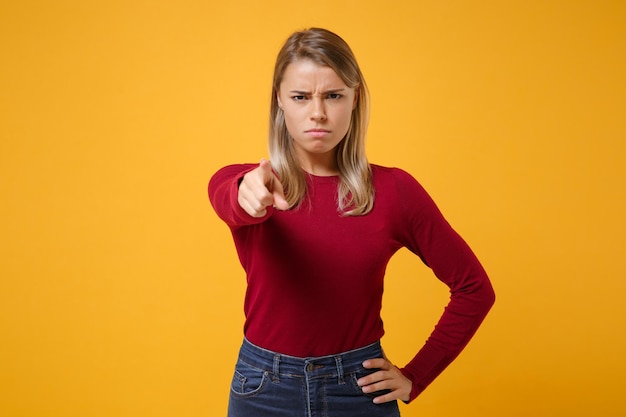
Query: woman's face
(318,106)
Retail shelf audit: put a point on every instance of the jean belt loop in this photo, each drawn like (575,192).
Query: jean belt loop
(340,376)
(276,368)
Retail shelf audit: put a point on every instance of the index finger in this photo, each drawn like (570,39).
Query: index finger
(273,184)
(267,173)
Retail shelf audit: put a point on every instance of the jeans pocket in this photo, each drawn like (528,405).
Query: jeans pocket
(248,380)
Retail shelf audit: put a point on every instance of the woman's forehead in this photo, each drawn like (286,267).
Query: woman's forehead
(306,75)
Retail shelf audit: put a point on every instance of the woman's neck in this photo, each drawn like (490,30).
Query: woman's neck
(320,165)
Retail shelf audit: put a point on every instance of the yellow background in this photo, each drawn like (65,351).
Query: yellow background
(120,291)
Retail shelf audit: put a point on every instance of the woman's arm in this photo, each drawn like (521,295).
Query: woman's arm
(430,236)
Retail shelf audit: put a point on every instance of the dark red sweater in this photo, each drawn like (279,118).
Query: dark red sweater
(315,277)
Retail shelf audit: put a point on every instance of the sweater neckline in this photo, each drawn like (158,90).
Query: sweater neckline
(322,179)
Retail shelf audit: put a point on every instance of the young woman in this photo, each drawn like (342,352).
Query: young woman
(314,227)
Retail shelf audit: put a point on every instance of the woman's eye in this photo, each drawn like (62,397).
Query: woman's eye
(298,98)
(334,96)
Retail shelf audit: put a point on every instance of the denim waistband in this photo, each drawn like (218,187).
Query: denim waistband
(310,367)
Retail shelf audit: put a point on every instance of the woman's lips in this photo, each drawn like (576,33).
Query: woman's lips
(318,133)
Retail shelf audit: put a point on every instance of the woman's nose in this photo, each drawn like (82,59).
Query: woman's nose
(318,111)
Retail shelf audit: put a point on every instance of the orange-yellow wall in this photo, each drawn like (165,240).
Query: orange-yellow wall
(120,290)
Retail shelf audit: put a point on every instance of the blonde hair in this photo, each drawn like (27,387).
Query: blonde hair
(355,193)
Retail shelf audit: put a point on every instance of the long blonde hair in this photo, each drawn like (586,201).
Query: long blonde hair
(355,193)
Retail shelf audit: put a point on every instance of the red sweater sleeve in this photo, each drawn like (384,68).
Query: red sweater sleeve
(429,235)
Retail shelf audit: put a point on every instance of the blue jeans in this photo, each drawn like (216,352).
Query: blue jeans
(268,384)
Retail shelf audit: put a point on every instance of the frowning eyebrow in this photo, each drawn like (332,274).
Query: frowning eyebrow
(307,93)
